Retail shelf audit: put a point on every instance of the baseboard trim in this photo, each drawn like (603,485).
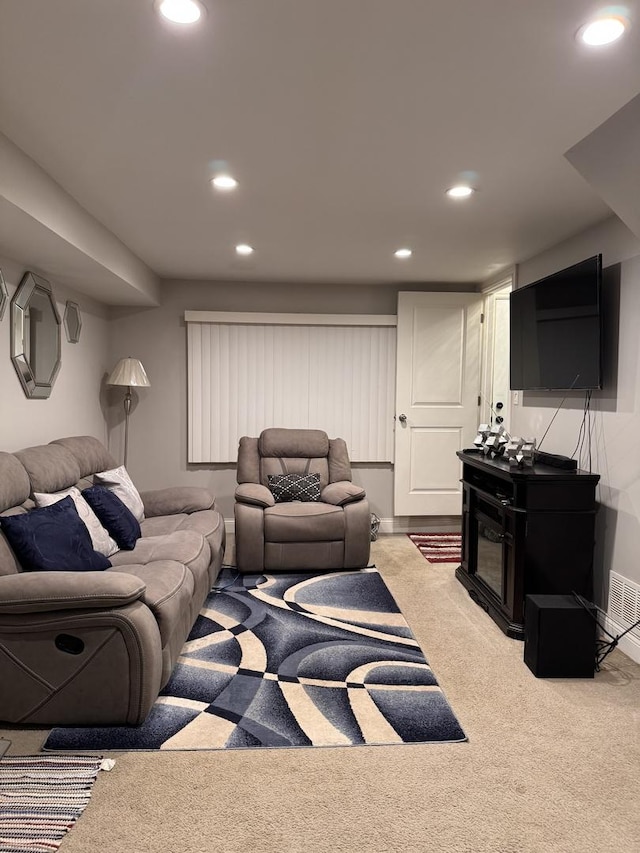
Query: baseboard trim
(399,524)
(421,524)
(629,644)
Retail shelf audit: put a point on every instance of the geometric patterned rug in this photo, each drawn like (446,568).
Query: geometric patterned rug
(41,797)
(438,547)
(282,660)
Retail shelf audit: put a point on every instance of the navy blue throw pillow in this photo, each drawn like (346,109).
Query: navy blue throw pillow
(114,515)
(53,539)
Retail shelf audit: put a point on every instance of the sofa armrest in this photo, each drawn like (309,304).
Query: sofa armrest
(249,536)
(176,499)
(357,539)
(34,592)
(88,666)
(341,493)
(254,494)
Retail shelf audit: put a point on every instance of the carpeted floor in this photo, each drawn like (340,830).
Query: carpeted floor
(438,547)
(41,798)
(551,766)
(322,659)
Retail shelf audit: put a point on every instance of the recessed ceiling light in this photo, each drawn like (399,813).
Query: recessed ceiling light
(224,182)
(244,249)
(460,191)
(180,11)
(603,30)
(403,253)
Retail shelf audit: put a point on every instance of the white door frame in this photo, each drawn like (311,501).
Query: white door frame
(499,288)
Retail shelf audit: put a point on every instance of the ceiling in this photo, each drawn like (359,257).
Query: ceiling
(344,121)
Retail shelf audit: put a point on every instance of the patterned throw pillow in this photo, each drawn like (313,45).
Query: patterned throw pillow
(294,487)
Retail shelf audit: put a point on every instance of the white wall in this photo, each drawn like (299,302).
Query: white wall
(615,409)
(74,407)
(158,427)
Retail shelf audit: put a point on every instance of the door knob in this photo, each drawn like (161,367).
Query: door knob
(402,419)
(499,406)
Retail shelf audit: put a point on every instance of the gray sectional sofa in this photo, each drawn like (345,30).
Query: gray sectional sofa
(96,647)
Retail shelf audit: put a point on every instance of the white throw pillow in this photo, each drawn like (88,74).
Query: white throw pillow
(100,537)
(119,482)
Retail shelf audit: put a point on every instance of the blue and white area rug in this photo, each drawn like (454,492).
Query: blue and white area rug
(290,660)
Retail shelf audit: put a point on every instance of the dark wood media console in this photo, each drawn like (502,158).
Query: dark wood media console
(524,530)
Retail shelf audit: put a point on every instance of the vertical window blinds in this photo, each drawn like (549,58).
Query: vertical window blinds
(247,372)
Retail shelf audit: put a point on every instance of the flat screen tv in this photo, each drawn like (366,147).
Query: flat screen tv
(555,331)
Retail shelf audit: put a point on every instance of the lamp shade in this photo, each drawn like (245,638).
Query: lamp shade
(129,371)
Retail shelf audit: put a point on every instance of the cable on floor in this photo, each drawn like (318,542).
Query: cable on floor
(231,583)
(603,647)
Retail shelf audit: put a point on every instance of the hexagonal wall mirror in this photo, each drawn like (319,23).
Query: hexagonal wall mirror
(4,296)
(72,321)
(35,336)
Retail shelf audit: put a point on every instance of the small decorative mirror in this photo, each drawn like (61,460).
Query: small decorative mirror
(72,321)
(35,336)
(4,295)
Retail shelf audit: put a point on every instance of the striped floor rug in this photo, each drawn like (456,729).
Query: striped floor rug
(438,547)
(41,797)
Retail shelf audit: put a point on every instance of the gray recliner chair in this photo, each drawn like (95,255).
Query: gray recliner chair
(333,532)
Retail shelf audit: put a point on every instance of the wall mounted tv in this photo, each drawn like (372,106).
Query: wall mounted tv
(555,330)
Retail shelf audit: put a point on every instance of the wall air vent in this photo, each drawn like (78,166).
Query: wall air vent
(624,601)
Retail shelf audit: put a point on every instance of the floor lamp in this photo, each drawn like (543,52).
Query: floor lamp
(130,372)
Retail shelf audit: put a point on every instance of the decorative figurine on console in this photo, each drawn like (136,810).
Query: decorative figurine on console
(491,439)
(496,441)
(520,451)
(483,432)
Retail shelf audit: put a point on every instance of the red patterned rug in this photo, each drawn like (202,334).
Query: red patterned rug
(438,547)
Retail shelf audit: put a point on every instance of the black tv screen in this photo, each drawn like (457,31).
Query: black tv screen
(555,330)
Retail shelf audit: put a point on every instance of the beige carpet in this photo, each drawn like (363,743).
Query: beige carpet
(551,765)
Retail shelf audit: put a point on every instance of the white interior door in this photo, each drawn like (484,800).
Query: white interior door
(437,398)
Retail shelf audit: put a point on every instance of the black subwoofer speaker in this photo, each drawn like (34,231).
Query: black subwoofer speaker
(559,637)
